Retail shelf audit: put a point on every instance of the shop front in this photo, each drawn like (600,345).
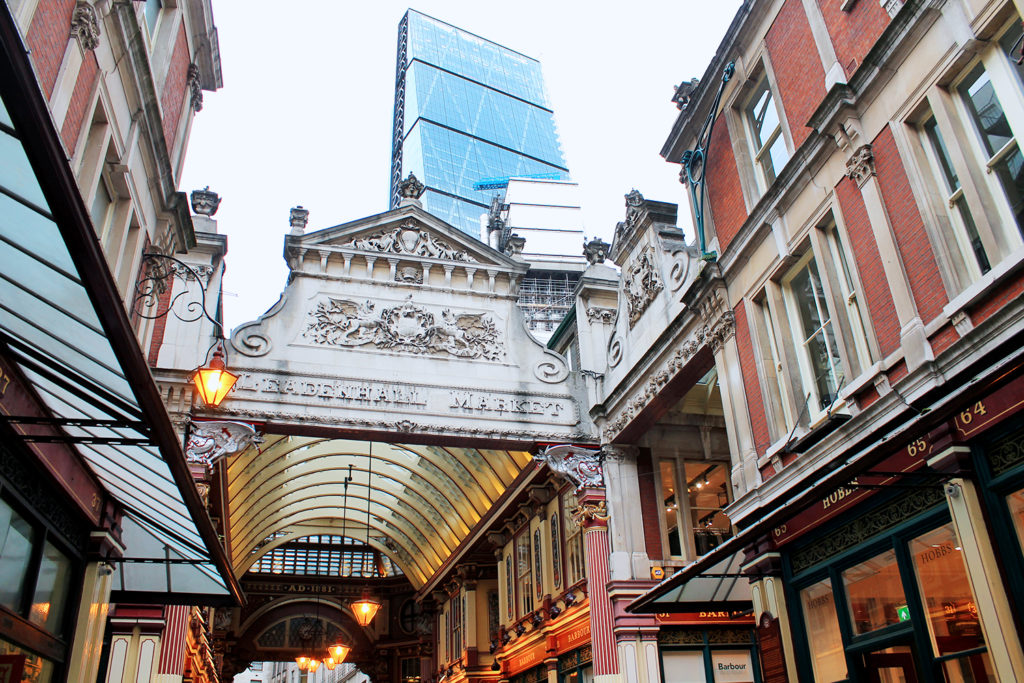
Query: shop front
(907,572)
(904,571)
(708,647)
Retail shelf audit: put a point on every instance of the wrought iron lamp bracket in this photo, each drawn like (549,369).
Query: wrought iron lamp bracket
(694,163)
(160,272)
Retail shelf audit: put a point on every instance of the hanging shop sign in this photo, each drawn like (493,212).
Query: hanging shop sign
(713,617)
(971,420)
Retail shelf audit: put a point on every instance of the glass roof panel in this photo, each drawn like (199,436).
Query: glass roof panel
(326,556)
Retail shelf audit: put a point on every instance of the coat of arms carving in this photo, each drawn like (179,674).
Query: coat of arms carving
(642,284)
(407,327)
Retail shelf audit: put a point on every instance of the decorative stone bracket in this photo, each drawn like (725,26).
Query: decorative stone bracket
(210,441)
(581,466)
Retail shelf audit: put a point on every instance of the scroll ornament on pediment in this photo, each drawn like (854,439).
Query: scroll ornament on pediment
(581,466)
(642,284)
(409,239)
(407,327)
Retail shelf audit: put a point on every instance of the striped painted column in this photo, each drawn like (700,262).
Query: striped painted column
(593,515)
(172,650)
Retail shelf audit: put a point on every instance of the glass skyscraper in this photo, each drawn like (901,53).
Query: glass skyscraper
(469,114)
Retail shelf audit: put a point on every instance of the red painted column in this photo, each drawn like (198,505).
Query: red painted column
(593,516)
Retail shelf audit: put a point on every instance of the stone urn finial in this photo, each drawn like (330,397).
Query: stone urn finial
(410,190)
(205,202)
(514,246)
(596,250)
(297,218)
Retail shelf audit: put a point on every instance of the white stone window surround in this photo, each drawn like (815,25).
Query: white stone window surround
(773,368)
(858,346)
(955,205)
(1004,236)
(980,192)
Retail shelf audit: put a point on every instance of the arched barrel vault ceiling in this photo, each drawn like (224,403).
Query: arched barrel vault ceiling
(424,500)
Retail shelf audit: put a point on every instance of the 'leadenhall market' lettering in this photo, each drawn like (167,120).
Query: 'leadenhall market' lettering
(470,401)
(359,392)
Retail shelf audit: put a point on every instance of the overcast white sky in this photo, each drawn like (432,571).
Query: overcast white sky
(305,113)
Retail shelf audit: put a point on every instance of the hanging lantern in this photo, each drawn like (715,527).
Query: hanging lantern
(339,652)
(303,662)
(314,664)
(365,609)
(330,663)
(213,382)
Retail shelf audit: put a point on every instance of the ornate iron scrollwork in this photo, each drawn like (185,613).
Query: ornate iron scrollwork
(694,162)
(188,305)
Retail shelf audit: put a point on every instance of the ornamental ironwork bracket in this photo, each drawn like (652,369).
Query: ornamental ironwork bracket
(694,162)
(160,272)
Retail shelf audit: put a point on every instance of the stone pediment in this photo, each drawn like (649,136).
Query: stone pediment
(398,322)
(407,233)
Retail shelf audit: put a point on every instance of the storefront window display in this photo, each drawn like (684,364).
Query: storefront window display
(828,658)
(712,656)
(34,669)
(874,594)
(898,607)
(1015,501)
(576,666)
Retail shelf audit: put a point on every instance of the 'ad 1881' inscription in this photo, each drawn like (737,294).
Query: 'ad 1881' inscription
(396,397)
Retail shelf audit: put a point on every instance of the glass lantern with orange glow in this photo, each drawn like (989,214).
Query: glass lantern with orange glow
(339,652)
(213,382)
(365,609)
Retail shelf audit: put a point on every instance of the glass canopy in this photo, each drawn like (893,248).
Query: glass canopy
(65,330)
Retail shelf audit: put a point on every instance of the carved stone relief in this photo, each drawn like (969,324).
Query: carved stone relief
(407,327)
(861,165)
(411,187)
(85,25)
(596,250)
(601,315)
(409,275)
(409,239)
(195,88)
(581,466)
(634,204)
(641,284)
(209,441)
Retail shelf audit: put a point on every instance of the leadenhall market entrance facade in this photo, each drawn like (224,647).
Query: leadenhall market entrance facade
(395,433)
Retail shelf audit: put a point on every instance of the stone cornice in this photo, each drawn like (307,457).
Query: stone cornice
(706,321)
